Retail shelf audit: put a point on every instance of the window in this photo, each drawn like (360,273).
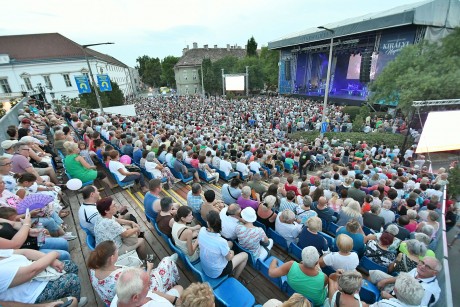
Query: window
(28,83)
(5,86)
(86,75)
(185,75)
(194,75)
(196,89)
(48,82)
(67,80)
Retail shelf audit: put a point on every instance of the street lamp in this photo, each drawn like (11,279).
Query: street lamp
(328,77)
(83,47)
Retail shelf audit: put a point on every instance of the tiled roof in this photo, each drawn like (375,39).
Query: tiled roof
(195,56)
(45,46)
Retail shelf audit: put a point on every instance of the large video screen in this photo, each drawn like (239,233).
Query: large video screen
(354,66)
(234,83)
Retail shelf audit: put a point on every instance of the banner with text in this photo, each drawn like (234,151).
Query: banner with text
(391,45)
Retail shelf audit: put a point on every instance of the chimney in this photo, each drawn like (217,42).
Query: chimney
(205,46)
(215,46)
(184,51)
(188,47)
(245,46)
(195,45)
(228,47)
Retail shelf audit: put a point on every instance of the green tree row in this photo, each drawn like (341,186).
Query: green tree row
(155,72)
(108,99)
(425,71)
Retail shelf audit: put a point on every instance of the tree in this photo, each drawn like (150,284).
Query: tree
(211,85)
(255,69)
(167,71)
(149,70)
(108,99)
(426,71)
(269,60)
(251,47)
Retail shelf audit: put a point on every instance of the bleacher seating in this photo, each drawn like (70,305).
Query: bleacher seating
(277,239)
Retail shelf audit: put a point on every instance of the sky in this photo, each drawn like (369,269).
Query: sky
(161,28)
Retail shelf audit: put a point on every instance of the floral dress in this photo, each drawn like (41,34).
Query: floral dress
(163,277)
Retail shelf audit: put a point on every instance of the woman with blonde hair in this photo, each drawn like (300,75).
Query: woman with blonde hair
(296,300)
(344,288)
(335,203)
(351,211)
(198,295)
(345,258)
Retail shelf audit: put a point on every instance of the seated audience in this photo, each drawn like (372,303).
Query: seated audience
(345,259)
(309,236)
(185,237)
(287,226)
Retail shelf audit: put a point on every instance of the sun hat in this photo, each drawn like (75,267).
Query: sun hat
(249,215)
(8,144)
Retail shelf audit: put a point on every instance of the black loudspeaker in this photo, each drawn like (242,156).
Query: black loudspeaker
(287,70)
(365,68)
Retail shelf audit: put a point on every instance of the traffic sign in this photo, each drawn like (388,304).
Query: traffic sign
(82,84)
(323,127)
(104,83)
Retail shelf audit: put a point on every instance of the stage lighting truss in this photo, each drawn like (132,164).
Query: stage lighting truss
(430,103)
(337,45)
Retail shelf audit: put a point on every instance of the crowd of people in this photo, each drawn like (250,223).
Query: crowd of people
(354,186)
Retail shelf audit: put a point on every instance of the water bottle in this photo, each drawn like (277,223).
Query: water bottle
(41,235)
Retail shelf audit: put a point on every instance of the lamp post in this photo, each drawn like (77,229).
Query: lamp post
(328,78)
(202,81)
(83,47)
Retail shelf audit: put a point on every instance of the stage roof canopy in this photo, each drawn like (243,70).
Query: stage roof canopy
(125,110)
(439,14)
(440,132)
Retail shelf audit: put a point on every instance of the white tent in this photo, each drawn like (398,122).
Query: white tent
(126,110)
(440,132)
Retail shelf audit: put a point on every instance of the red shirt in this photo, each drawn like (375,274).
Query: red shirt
(293,188)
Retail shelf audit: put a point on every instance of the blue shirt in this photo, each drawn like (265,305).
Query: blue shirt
(213,250)
(137,155)
(229,195)
(358,240)
(194,202)
(149,199)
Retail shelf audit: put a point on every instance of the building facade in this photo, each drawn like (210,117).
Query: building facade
(48,63)
(186,71)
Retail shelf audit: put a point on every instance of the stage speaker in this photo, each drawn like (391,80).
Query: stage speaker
(287,70)
(365,68)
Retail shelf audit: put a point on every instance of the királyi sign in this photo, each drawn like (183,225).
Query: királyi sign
(104,83)
(82,84)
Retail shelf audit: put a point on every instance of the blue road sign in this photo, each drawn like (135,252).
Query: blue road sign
(323,127)
(82,84)
(104,83)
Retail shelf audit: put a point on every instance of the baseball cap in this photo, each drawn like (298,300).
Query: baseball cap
(8,144)
(25,121)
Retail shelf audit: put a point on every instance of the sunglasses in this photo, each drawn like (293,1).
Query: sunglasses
(9,163)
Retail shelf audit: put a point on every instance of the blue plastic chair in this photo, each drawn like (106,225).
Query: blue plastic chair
(164,236)
(288,167)
(198,217)
(202,175)
(259,224)
(152,219)
(231,293)
(90,239)
(367,264)
(330,240)
(289,291)
(197,270)
(179,175)
(84,184)
(369,293)
(295,251)
(239,249)
(332,229)
(123,185)
(368,231)
(328,270)
(242,177)
(263,267)
(277,238)
(225,177)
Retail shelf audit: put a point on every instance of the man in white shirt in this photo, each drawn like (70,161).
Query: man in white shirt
(242,167)
(226,167)
(133,290)
(257,168)
(230,217)
(88,214)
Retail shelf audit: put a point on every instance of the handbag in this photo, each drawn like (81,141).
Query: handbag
(129,259)
(48,274)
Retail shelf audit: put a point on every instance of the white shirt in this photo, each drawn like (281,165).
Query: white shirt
(151,168)
(254,166)
(225,167)
(243,168)
(24,293)
(114,166)
(88,216)
(431,287)
(288,231)
(229,224)
(337,261)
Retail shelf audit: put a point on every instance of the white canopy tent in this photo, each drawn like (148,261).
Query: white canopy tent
(440,132)
(126,110)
